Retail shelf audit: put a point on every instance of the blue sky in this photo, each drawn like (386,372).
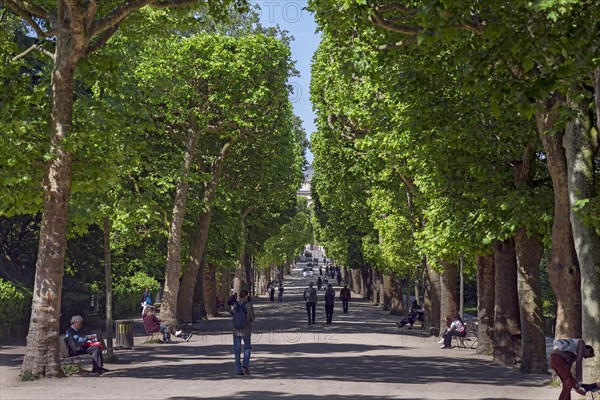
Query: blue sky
(292,17)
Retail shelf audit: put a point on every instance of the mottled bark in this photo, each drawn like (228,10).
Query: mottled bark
(357,285)
(563,266)
(210,290)
(197,246)
(507,332)
(43,350)
(387,292)
(529,252)
(449,303)
(581,143)
(431,297)
(108,289)
(486,293)
(397,303)
(168,307)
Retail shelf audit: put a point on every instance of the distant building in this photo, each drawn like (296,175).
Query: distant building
(305,188)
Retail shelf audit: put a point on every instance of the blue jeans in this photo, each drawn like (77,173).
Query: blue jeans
(237,349)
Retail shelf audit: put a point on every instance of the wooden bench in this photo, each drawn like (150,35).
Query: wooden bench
(65,358)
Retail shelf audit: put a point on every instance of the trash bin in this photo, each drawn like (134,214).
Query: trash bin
(196,312)
(124,333)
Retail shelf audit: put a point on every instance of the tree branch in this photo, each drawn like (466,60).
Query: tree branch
(102,39)
(31,9)
(117,15)
(120,13)
(378,19)
(36,46)
(24,13)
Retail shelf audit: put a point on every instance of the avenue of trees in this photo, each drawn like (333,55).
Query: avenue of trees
(460,135)
(144,144)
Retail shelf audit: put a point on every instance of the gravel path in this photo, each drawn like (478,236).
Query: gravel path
(361,356)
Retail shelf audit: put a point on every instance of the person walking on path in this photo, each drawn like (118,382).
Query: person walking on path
(243,317)
(329,300)
(319,283)
(271,288)
(567,352)
(310,296)
(345,298)
(280,295)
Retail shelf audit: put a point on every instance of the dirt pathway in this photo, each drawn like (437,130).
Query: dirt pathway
(361,356)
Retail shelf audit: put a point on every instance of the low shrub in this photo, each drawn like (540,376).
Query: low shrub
(15,307)
(127,293)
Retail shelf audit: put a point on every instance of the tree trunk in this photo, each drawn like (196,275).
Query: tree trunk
(198,298)
(507,332)
(461,287)
(431,297)
(190,274)
(168,307)
(529,251)
(367,282)
(448,291)
(581,149)
(563,266)
(109,292)
(357,281)
(486,293)
(42,357)
(387,287)
(210,290)
(407,295)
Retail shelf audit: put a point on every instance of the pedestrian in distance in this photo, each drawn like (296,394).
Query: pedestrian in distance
(310,297)
(280,295)
(566,353)
(329,303)
(146,300)
(339,278)
(243,317)
(345,297)
(272,291)
(319,283)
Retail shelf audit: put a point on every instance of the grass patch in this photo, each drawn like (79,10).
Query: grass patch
(71,369)
(27,376)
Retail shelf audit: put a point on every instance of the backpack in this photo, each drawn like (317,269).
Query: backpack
(240,320)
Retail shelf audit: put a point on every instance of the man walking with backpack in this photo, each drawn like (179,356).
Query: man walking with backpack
(243,316)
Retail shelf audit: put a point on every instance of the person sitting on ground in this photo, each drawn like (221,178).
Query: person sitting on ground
(79,344)
(566,352)
(153,324)
(455,327)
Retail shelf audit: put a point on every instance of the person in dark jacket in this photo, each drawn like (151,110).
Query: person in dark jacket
(329,300)
(345,297)
(80,344)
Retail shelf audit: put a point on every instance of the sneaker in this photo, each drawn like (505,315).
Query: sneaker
(246,371)
(178,333)
(445,347)
(189,336)
(441,341)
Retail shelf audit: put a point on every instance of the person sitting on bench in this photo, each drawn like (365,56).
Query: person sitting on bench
(416,313)
(455,327)
(79,344)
